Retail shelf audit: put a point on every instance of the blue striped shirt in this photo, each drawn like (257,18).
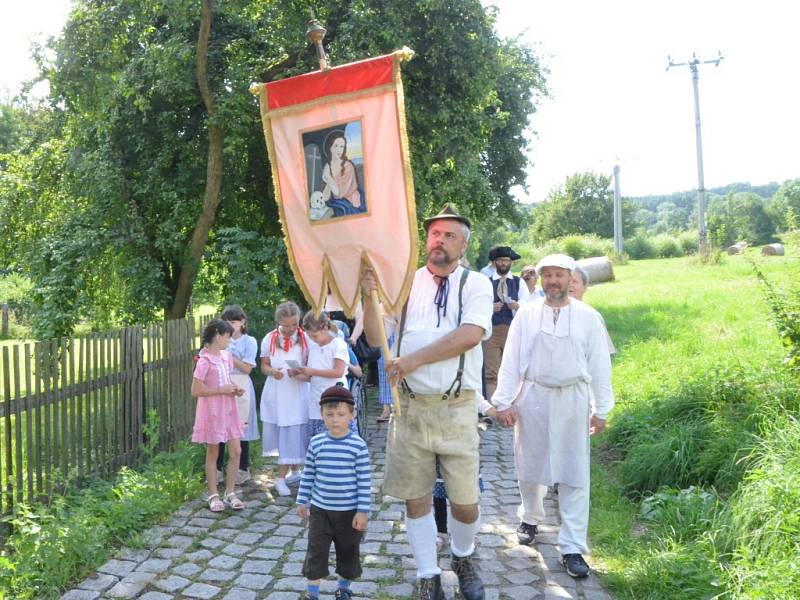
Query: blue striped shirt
(337,474)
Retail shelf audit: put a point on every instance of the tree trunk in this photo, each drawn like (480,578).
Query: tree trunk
(208,214)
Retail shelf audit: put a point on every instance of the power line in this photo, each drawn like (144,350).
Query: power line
(701,190)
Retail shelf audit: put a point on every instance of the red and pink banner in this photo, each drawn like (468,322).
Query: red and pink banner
(340,164)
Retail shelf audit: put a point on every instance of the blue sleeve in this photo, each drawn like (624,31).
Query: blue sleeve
(364,478)
(307,479)
(353,357)
(250,350)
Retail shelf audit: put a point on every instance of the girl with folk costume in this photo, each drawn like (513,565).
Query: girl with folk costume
(284,397)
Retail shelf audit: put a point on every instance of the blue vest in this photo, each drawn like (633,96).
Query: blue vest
(504,315)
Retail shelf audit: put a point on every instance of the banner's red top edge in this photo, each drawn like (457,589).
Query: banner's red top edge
(351,77)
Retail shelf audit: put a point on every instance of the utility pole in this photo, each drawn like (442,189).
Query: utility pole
(701,188)
(617,214)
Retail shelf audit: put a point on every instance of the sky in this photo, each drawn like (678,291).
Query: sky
(612,101)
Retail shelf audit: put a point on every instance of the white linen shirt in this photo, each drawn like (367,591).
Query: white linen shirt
(588,333)
(421,329)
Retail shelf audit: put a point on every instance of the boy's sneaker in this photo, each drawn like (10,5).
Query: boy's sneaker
(243,476)
(430,588)
(343,594)
(526,533)
(575,565)
(469,584)
(293,478)
(282,488)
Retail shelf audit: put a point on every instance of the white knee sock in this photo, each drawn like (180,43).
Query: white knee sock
(422,537)
(462,535)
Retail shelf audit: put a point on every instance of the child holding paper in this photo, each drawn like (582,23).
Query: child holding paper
(284,398)
(327,366)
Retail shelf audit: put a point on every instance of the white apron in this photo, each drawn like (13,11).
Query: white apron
(551,437)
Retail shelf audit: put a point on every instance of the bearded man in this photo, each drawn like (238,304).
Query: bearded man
(437,365)
(509,293)
(555,385)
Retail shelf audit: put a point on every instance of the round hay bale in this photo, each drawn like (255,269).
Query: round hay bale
(772,250)
(737,248)
(599,268)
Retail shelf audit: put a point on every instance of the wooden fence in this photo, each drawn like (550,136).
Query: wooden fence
(77,407)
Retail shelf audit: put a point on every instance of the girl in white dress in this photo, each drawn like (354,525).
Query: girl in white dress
(284,398)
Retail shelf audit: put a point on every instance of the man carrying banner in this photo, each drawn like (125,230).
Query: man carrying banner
(437,363)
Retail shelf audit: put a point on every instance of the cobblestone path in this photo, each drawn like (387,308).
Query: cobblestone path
(257,553)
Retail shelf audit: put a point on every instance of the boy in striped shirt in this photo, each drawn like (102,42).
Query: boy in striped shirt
(336,484)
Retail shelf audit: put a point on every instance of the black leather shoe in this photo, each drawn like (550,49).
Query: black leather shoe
(430,588)
(526,533)
(469,584)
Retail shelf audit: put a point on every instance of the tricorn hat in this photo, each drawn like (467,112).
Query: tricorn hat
(447,212)
(505,252)
(337,393)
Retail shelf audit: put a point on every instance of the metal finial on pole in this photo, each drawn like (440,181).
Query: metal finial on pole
(701,189)
(315,34)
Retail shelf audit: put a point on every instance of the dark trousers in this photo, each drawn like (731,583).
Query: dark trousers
(324,527)
(244,462)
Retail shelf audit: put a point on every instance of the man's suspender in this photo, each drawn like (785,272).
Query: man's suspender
(457,381)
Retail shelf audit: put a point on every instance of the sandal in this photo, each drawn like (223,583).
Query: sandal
(215,503)
(233,501)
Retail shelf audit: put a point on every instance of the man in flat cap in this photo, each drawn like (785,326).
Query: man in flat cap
(509,292)
(555,383)
(437,365)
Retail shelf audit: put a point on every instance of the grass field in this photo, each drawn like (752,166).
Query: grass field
(688,498)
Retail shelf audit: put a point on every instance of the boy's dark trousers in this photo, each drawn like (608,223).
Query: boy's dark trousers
(324,527)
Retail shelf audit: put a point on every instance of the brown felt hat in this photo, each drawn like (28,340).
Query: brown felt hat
(337,393)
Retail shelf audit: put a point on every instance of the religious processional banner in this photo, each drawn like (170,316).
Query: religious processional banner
(341,168)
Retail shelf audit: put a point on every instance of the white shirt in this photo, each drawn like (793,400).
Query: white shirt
(421,329)
(324,357)
(584,326)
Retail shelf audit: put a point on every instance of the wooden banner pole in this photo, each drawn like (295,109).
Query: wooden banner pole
(387,354)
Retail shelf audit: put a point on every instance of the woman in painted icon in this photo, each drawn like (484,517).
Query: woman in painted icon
(340,190)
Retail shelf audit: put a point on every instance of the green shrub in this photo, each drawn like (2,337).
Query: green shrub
(689,241)
(16,290)
(640,247)
(667,246)
(56,546)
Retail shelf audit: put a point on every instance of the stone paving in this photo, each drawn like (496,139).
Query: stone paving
(257,553)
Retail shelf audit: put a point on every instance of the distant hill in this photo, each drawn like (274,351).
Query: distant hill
(682,199)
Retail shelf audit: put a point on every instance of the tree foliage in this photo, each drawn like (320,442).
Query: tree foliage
(127,187)
(583,205)
(740,217)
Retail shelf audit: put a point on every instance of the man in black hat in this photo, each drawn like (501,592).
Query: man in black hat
(438,368)
(509,292)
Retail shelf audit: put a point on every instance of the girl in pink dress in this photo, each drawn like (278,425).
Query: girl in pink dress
(216,418)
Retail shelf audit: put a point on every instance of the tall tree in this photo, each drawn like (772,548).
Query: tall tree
(584,204)
(162,146)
